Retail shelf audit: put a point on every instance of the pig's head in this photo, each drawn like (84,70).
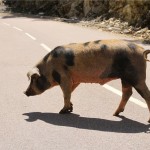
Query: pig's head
(38,83)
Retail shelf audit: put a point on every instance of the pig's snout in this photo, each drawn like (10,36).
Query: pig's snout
(26,93)
(30,92)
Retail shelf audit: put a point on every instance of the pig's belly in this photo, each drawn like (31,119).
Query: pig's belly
(80,78)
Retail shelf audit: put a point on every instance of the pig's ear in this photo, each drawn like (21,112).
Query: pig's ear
(34,73)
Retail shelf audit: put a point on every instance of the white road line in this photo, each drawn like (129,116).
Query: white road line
(132,99)
(17,28)
(6,24)
(29,35)
(45,47)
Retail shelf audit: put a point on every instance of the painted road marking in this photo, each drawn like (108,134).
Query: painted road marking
(17,28)
(6,24)
(29,35)
(45,47)
(132,99)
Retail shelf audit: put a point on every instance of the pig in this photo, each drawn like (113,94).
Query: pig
(92,62)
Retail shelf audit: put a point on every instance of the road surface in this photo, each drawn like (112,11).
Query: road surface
(34,123)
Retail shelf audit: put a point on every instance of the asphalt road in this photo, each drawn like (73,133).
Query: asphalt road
(34,123)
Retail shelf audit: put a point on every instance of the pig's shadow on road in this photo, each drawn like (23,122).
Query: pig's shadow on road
(125,125)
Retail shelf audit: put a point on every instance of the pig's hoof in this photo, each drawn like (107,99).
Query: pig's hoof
(118,112)
(66,110)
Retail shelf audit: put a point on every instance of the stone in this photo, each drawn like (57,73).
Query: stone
(127,31)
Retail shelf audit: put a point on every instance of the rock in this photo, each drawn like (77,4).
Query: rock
(127,31)
(148,31)
(141,31)
(116,29)
(41,13)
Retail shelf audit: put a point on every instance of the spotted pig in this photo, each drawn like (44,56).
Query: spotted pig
(92,62)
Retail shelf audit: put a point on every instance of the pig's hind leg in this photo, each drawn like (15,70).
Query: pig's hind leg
(143,90)
(126,93)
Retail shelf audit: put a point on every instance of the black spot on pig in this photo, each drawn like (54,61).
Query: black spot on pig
(123,68)
(132,46)
(64,52)
(58,51)
(69,56)
(42,83)
(56,76)
(103,47)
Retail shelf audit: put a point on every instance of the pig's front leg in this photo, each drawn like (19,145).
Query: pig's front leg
(66,86)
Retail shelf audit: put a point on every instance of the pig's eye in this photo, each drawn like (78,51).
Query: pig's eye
(32,80)
(42,83)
